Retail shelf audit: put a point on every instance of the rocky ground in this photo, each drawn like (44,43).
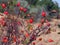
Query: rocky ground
(51,36)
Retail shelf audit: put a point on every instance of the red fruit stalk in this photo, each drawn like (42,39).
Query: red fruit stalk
(48,24)
(14,38)
(42,20)
(39,25)
(19,23)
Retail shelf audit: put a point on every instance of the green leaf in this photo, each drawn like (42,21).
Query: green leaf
(0,7)
(11,7)
(14,2)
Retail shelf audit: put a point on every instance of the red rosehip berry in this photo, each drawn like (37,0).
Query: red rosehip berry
(40,39)
(43,14)
(21,8)
(31,20)
(27,35)
(5,39)
(5,12)
(34,43)
(50,40)
(18,4)
(3,5)
(25,10)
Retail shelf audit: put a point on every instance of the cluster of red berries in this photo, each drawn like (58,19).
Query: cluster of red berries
(18,4)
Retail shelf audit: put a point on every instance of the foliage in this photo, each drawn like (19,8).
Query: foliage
(49,4)
(33,6)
